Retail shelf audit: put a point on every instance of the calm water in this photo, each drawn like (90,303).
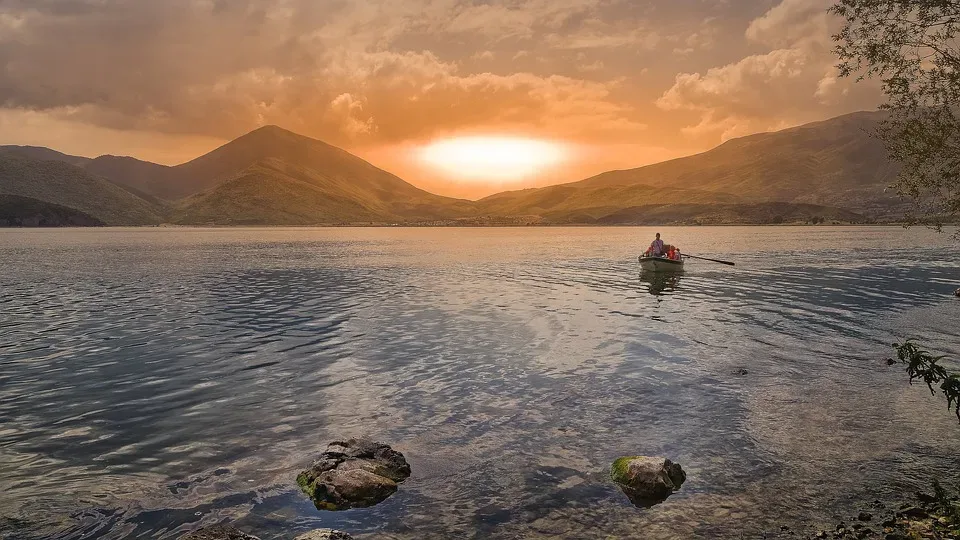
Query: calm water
(154,380)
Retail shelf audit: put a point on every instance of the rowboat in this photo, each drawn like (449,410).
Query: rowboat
(660,264)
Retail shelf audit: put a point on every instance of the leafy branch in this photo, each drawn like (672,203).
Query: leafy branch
(924,366)
(912,47)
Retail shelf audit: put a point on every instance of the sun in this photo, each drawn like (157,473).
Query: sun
(493,158)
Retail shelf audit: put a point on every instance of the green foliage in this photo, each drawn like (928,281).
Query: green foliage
(912,48)
(946,505)
(924,366)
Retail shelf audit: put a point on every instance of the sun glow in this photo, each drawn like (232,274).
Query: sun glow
(493,158)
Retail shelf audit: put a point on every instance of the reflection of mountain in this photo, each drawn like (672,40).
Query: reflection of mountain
(831,170)
(659,282)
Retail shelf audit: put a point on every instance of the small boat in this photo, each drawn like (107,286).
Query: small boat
(660,264)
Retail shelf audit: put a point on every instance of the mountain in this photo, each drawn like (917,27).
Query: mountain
(573,203)
(269,176)
(66,185)
(832,169)
(274,176)
(43,154)
(835,162)
(149,180)
(16,211)
(336,166)
(767,213)
(275,192)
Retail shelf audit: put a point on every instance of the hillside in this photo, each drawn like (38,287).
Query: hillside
(43,154)
(16,211)
(729,214)
(575,204)
(275,193)
(273,176)
(65,185)
(149,180)
(337,169)
(834,163)
(267,177)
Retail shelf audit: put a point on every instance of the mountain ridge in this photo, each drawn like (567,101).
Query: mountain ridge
(275,176)
(62,184)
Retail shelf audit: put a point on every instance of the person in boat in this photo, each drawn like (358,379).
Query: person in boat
(656,248)
(672,253)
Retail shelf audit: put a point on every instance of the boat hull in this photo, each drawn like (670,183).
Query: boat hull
(660,264)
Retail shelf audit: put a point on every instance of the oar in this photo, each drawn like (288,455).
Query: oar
(713,260)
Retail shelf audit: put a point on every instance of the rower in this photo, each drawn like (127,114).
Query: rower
(656,248)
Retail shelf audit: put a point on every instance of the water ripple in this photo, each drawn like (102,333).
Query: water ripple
(154,380)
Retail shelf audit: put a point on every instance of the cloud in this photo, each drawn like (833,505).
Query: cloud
(794,23)
(793,83)
(368,74)
(704,38)
(328,68)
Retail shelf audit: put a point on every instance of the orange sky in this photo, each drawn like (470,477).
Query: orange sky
(620,83)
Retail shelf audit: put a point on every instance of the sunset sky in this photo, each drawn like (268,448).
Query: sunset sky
(581,86)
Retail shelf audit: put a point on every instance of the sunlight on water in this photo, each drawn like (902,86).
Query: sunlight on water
(155,379)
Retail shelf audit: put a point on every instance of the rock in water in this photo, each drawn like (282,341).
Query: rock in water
(324,534)
(353,474)
(957,293)
(218,532)
(647,480)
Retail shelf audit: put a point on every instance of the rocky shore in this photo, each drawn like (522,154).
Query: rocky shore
(928,516)
(358,473)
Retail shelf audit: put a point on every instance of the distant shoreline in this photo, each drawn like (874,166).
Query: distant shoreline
(474,226)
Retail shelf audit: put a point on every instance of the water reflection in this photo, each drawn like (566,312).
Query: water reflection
(657,283)
(640,501)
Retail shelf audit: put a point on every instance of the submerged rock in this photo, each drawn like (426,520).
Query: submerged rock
(353,474)
(218,532)
(324,534)
(647,480)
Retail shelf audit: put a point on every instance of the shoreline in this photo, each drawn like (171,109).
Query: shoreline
(475,226)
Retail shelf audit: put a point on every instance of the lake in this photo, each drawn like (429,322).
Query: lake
(153,380)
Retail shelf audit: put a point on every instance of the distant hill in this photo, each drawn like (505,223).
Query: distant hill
(275,192)
(16,211)
(147,179)
(835,163)
(267,177)
(574,203)
(69,186)
(832,169)
(43,154)
(730,214)
(273,176)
